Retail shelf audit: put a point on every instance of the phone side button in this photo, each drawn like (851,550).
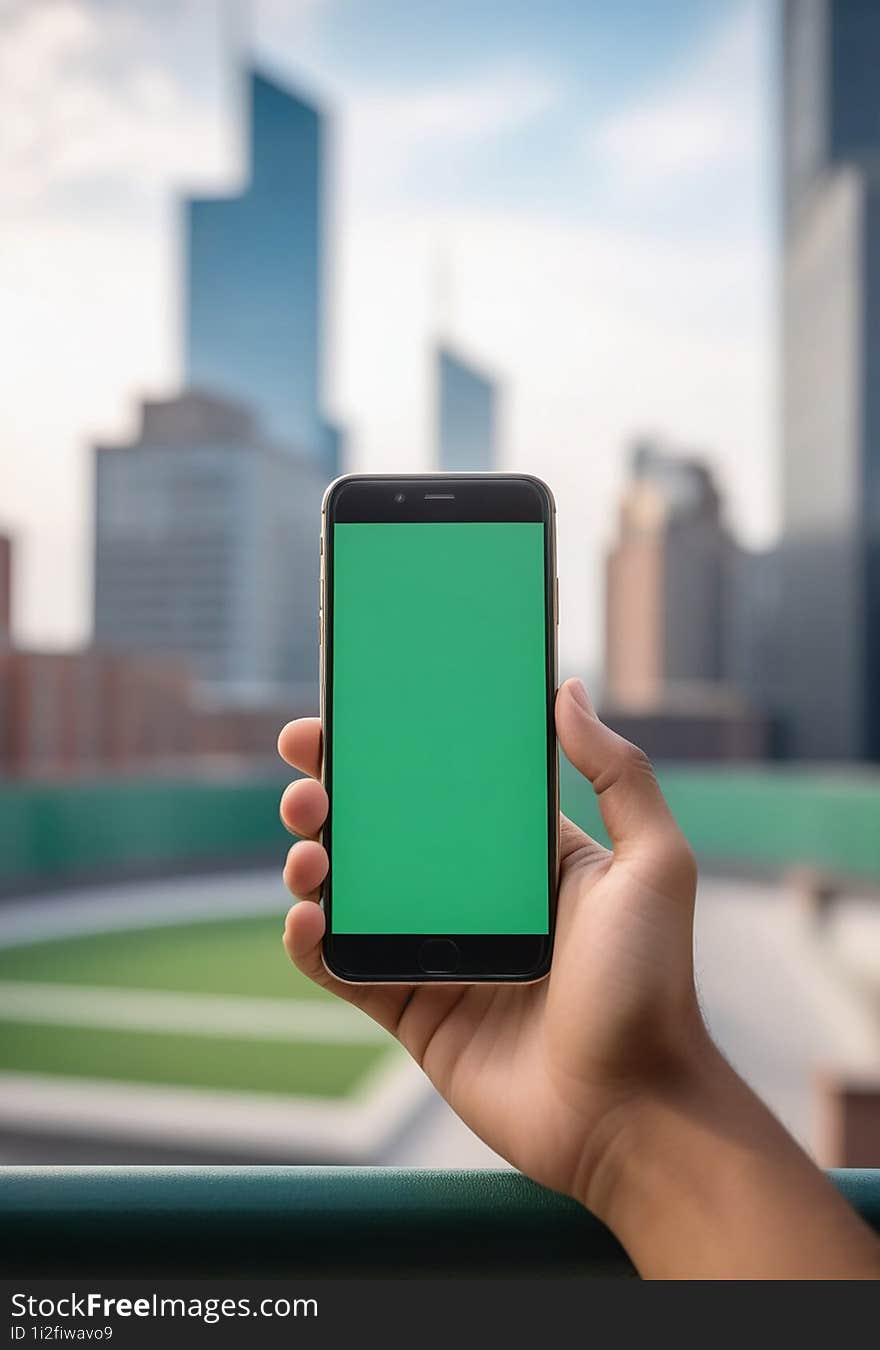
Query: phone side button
(439,956)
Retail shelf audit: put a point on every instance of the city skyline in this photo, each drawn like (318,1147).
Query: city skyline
(566,300)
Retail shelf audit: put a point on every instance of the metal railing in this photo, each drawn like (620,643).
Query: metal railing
(320,1221)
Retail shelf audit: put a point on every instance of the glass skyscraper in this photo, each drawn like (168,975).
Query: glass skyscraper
(466,415)
(829,655)
(254,278)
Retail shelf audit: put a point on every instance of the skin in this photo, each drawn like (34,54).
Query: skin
(601,1081)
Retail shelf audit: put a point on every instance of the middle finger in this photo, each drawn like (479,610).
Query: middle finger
(304,807)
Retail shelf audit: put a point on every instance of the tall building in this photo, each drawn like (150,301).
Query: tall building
(206,548)
(681,622)
(206,523)
(751,628)
(830,615)
(467,415)
(665,581)
(255,263)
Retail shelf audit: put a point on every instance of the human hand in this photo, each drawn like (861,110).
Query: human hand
(545,1073)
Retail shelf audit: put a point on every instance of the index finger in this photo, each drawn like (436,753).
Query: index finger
(300,745)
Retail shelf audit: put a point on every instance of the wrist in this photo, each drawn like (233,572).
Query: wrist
(636,1128)
(697,1179)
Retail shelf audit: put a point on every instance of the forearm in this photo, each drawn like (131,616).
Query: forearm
(702,1182)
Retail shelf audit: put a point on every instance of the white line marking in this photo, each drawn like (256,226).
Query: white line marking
(267,1125)
(141,904)
(229,1016)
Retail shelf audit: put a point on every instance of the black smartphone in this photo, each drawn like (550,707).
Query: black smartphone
(438,675)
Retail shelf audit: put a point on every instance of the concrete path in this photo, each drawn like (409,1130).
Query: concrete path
(778,997)
(138,904)
(197,1121)
(236,1017)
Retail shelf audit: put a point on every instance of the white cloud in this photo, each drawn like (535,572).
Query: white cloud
(89,100)
(707,119)
(389,132)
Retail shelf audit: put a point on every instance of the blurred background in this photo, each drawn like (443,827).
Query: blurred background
(632,248)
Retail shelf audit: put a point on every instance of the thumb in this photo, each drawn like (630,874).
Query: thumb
(633,808)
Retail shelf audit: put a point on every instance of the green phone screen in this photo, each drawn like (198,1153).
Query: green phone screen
(439,737)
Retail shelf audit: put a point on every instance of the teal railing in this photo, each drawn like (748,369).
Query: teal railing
(110,826)
(182,1221)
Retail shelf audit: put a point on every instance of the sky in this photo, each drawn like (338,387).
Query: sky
(581,196)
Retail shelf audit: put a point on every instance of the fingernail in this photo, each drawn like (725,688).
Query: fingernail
(580,695)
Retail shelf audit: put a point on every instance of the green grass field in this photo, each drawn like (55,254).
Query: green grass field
(220,956)
(235,957)
(187,1060)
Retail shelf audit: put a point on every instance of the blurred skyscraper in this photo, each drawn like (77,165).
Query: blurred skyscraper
(677,617)
(466,415)
(254,308)
(206,547)
(206,524)
(665,581)
(829,648)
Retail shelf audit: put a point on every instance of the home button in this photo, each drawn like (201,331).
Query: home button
(439,956)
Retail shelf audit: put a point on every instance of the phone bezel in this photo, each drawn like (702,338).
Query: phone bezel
(359,498)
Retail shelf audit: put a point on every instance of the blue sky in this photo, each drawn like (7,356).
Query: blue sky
(593,181)
(592,60)
(596,43)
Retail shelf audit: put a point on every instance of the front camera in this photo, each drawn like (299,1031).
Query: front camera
(400,497)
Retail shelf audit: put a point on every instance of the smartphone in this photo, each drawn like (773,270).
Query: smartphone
(438,673)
